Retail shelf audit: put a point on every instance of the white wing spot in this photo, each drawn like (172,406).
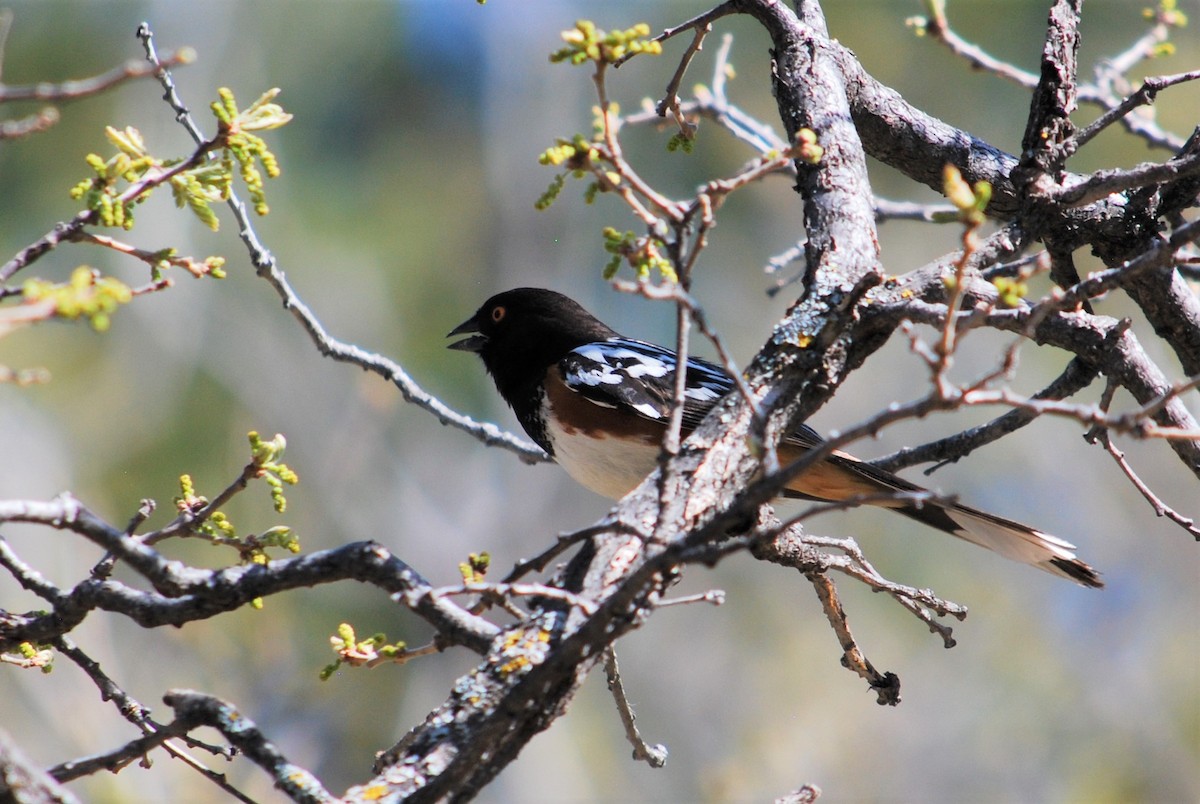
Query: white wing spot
(595,377)
(594,352)
(646,366)
(647,410)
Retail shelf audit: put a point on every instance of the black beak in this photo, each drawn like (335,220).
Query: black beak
(473,344)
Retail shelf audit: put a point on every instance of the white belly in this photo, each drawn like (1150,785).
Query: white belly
(606,466)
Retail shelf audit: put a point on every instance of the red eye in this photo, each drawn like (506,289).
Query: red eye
(498,314)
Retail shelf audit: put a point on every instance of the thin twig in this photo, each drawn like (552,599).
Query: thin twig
(104,567)
(653,755)
(886,685)
(561,544)
(30,579)
(375,659)
(1144,96)
(1132,423)
(805,794)
(118,758)
(326,344)
(32,124)
(670,101)
(714,596)
(1160,507)
(634,187)
(154,259)
(939,29)
(68,230)
(138,715)
(922,603)
(503,591)
(1101,94)
(1103,183)
(188,520)
(1075,377)
(887,210)
(82,88)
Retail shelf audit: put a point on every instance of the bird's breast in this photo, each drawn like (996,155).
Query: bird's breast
(606,450)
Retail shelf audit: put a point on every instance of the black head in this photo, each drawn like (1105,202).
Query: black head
(520,333)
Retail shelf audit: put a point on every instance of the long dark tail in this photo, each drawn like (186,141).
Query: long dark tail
(1006,537)
(843,477)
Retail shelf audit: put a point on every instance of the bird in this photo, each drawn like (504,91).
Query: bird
(599,404)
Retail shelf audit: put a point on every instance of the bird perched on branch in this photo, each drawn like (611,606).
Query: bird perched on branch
(599,404)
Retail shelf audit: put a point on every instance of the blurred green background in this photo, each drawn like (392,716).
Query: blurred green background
(407,198)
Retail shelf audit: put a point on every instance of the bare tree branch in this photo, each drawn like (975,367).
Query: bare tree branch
(185,594)
(326,344)
(193,709)
(1077,376)
(710,498)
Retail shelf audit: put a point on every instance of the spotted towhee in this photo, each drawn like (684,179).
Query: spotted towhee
(599,404)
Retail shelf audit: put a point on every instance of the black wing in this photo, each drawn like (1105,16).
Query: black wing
(639,377)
